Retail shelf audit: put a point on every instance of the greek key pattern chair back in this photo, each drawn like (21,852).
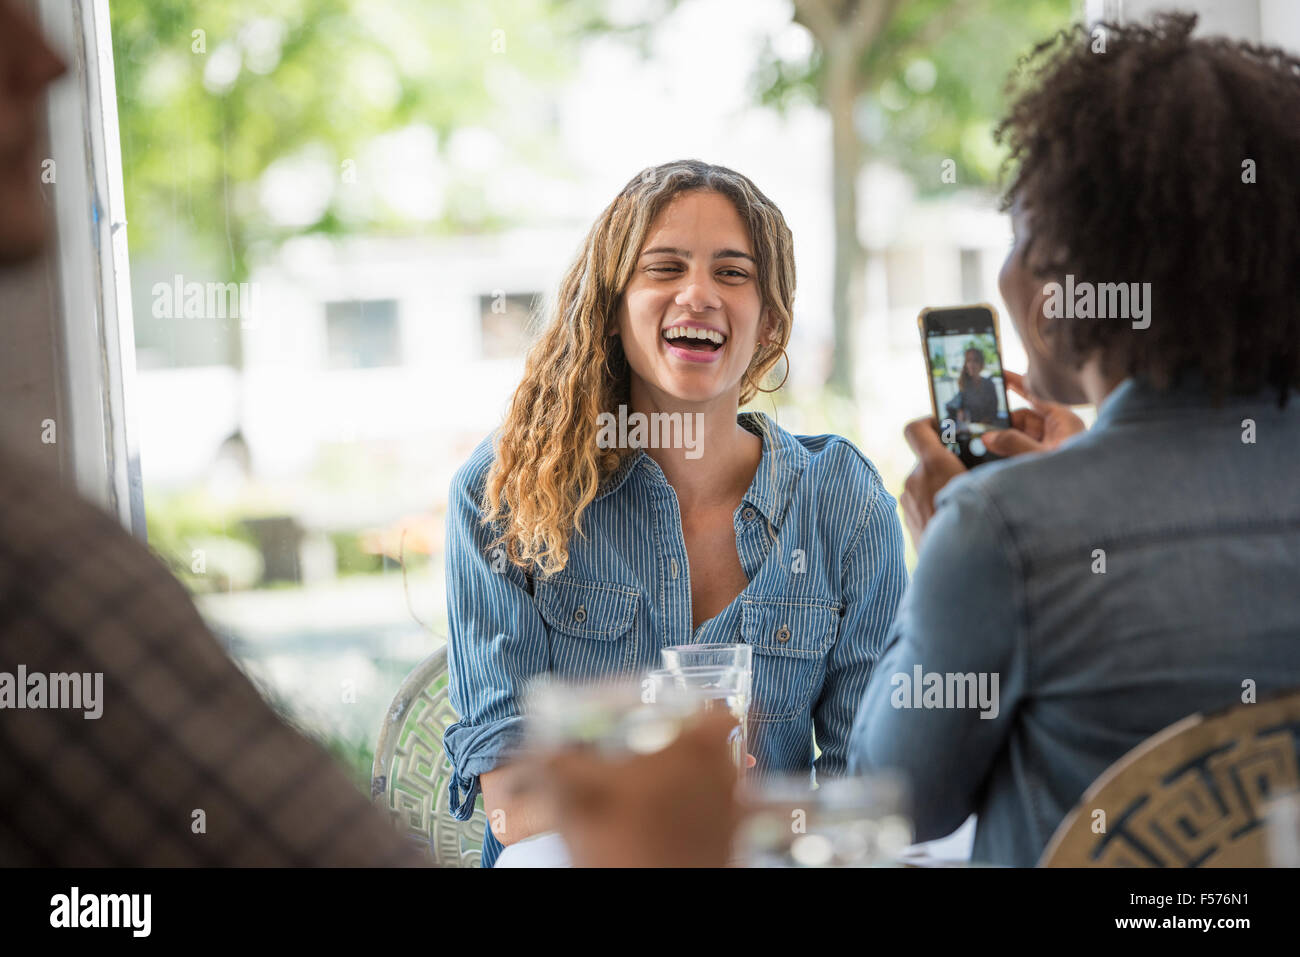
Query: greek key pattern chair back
(412,771)
(1194,795)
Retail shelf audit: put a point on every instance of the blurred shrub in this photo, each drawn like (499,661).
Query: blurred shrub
(352,559)
(203,542)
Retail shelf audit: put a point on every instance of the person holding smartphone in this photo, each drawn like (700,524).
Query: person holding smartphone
(582,538)
(1102,584)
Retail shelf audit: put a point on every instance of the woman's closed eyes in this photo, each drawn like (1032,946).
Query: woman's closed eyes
(736,274)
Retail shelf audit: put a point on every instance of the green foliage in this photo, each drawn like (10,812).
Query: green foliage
(179,524)
(986,348)
(329,75)
(934,84)
(351,558)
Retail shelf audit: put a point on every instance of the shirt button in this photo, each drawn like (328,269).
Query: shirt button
(674,567)
(580,614)
(748,514)
(783,634)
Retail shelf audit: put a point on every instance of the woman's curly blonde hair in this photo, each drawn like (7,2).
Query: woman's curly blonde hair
(548,467)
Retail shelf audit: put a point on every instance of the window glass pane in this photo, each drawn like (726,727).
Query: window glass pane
(362,335)
(506,323)
(972,275)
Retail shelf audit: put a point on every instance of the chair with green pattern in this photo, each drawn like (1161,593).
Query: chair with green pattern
(412,771)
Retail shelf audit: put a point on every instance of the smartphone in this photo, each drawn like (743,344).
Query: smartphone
(963,361)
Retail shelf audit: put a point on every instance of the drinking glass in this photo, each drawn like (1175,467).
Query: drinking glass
(612,717)
(712,687)
(737,654)
(615,716)
(859,821)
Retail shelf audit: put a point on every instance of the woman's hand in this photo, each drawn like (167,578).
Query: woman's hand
(1040,428)
(935,468)
(515,808)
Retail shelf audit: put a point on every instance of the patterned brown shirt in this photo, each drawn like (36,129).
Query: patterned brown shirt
(187,764)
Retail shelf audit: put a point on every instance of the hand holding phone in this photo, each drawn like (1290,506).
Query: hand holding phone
(1040,428)
(935,468)
(963,360)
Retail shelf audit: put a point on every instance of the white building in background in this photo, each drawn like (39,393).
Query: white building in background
(409,348)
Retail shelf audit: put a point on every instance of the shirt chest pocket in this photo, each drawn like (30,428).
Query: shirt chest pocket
(588,623)
(790,640)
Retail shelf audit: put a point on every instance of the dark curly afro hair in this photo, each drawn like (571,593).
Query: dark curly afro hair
(1134,165)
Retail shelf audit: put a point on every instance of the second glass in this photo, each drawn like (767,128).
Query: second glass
(737,654)
(714,687)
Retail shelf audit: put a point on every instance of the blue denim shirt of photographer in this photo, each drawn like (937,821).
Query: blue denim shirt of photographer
(1143,571)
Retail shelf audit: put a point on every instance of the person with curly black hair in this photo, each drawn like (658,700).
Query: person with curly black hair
(1107,583)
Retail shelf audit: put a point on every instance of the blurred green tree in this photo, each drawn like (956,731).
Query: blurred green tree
(212,94)
(916,82)
(938,367)
(984,345)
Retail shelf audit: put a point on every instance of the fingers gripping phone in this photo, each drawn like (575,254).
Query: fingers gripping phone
(963,359)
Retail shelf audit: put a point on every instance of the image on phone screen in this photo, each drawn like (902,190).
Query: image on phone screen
(967,390)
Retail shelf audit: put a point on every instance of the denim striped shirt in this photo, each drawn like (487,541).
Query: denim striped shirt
(817,535)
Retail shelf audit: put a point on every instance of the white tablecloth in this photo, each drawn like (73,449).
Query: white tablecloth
(548,850)
(540,850)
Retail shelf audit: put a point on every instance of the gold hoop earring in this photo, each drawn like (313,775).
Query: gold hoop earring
(783,378)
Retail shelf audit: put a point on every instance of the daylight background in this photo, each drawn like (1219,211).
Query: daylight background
(401,182)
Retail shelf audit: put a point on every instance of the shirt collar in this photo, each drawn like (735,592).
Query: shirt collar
(1134,399)
(614,480)
(1119,401)
(783,461)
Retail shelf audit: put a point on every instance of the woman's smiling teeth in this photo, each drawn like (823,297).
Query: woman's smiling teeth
(692,337)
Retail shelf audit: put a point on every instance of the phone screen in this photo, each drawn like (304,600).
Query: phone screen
(967,392)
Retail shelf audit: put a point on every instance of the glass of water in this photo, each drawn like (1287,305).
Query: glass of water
(614,716)
(725,686)
(737,654)
(860,821)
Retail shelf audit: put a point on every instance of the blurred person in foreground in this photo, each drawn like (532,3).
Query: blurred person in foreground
(181,736)
(1118,579)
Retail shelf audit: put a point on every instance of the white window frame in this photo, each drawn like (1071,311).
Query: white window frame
(95,330)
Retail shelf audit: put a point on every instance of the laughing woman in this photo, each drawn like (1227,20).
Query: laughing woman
(567,555)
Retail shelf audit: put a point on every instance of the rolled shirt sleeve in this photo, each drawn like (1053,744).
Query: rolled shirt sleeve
(961,616)
(874,579)
(496,639)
